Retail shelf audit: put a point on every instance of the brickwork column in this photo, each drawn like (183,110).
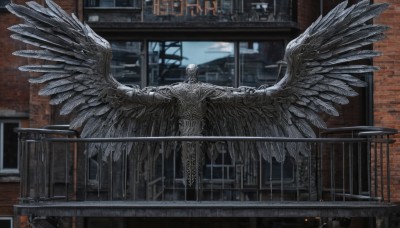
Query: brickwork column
(387,86)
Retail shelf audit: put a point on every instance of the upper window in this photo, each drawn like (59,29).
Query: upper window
(8,146)
(6,222)
(112,3)
(192,10)
(3,3)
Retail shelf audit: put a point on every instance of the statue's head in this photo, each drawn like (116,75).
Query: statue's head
(192,71)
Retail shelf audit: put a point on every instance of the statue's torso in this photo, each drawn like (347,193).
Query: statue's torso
(191,99)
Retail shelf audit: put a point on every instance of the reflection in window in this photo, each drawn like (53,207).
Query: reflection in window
(112,3)
(219,10)
(8,146)
(168,60)
(260,62)
(126,61)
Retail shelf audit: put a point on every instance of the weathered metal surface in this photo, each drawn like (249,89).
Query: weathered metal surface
(317,79)
(50,172)
(209,209)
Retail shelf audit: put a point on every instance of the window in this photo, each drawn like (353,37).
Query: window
(192,10)
(126,61)
(168,60)
(8,146)
(3,3)
(6,222)
(259,62)
(112,3)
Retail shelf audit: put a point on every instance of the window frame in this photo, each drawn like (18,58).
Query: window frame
(2,169)
(9,219)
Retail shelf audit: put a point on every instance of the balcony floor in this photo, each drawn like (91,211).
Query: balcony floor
(208,209)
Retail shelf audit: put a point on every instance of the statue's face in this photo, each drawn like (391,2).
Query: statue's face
(192,72)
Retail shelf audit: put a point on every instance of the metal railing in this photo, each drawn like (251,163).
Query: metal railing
(56,165)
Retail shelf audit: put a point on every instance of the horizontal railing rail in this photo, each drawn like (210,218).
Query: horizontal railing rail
(57,165)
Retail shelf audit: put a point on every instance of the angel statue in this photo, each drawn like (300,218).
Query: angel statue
(319,76)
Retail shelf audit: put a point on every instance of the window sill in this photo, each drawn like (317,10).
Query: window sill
(9,177)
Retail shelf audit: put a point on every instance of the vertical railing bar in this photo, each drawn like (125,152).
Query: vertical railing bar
(21,167)
(148,169)
(223,174)
(197,170)
(75,170)
(297,179)
(270,179)
(387,169)
(369,167)
(185,175)
(125,170)
(343,172)
(111,194)
(36,174)
(376,168)
(132,167)
(174,170)
(24,168)
(309,173)
(332,157)
(45,173)
(320,176)
(281,181)
(135,169)
(67,149)
(162,169)
(351,183)
(48,169)
(260,175)
(212,170)
(21,164)
(359,168)
(381,177)
(99,171)
(51,193)
(86,171)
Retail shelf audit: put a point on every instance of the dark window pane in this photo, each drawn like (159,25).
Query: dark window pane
(261,62)
(10,149)
(4,2)
(126,62)
(112,3)
(168,61)
(5,223)
(123,3)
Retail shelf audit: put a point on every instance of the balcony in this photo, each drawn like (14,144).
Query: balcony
(346,175)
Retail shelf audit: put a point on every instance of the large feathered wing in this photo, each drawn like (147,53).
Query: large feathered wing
(76,75)
(319,77)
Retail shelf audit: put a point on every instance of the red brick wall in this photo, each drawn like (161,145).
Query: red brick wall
(387,86)
(16,94)
(307,12)
(9,193)
(14,90)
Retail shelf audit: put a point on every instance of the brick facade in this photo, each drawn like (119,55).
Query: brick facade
(18,98)
(387,85)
